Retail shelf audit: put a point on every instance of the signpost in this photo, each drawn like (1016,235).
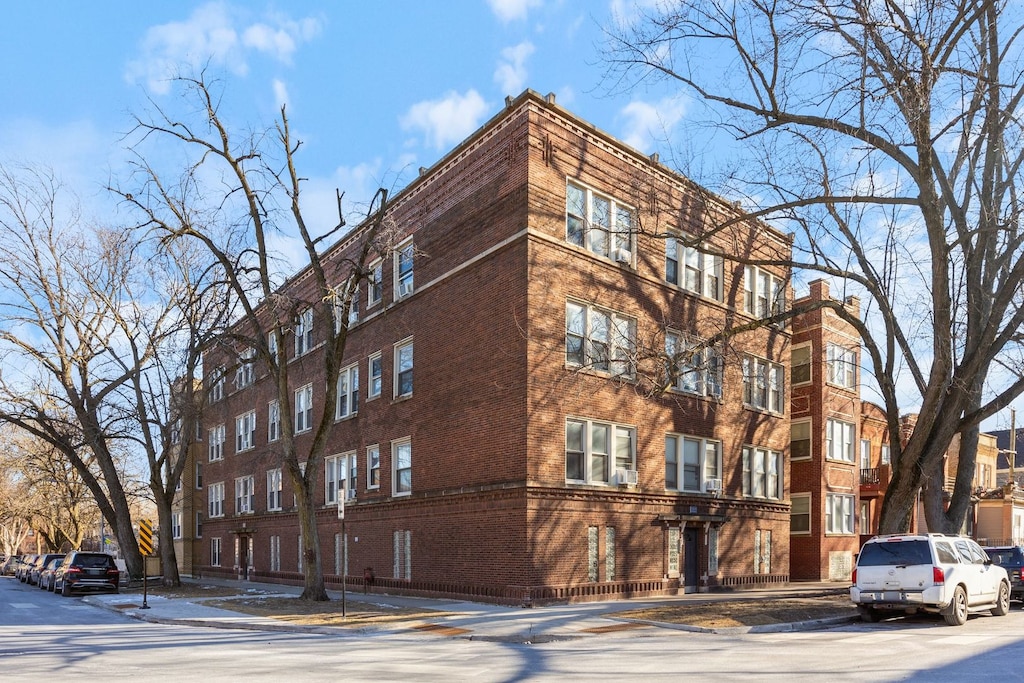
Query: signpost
(146,549)
(342,494)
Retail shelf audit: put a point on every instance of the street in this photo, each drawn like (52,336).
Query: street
(43,636)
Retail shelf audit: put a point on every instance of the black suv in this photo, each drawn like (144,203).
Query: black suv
(1011,558)
(82,571)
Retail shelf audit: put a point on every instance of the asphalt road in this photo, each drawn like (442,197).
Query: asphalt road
(46,637)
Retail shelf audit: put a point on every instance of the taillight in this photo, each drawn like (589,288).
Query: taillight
(938,576)
(74,570)
(853,576)
(115,572)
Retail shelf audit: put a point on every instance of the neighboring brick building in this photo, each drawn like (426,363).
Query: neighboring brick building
(528,458)
(825,413)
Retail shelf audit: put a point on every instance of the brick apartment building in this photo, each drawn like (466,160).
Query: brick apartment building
(497,427)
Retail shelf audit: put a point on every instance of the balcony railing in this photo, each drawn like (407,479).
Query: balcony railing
(875,477)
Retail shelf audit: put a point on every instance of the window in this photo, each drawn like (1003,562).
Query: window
(373,467)
(176,432)
(598,223)
(800,370)
(885,454)
(304,409)
(842,366)
(592,554)
(403,269)
(215,497)
(599,340)
(304,332)
(401,465)
(838,514)
(763,384)
(348,392)
(199,525)
(762,551)
(175,525)
(215,552)
(864,523)
(691,463)
(275,553)
(353,307)
(245,431)
(692,269)
(245,373)
(764,294)
(274,421)
(609,553)
(274,489)
(245,489)
(339,473)
(199,476)
(217,384)
(839,440)
(375,289)
(865,454)
(376,372)
(800,514)
(713,550)
(694,372)
(272,343)
(591,446)
(402,553)
(403,369)
(800,440)
(762,473)
(217,438)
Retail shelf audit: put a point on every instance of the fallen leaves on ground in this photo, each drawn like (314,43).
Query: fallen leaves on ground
(726,613)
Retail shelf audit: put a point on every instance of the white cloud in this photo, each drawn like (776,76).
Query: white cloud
(215,33)
(448,120)
(648,122)
(280,93)
(510,10)
(511,72)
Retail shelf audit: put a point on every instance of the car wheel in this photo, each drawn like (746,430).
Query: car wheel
(869,614)
(956,613)
(1002,601)
(64,590)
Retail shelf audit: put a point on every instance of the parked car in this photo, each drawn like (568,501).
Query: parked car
(9,565)
(938,573)
(37,566)
(21,573)
(45,581)
(1010,558)
(82,571)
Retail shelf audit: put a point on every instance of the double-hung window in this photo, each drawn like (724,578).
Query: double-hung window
(304,409)
(839,439)
(245,373)
(800,364)
(800,514)
(838,514)
(215,496)
(764,384)
(274,489)
(692,269)
(764,293)
(404,269)
(800,440)
(373,467)
(692,464)
(401,466)
(762,473)
(376,373)
(339,474)
(403,369)
(592,448)
(217,384)
(598,339)
(175,525)
(217,438)
(375,288)
(694,372)
(842,366)
(245,492)
(274,420)
(245,431)
(348,392)
(598,223)
(304,332)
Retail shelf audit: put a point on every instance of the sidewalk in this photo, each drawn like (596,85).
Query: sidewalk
(469,620)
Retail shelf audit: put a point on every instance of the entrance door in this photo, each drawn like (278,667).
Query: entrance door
(691,563)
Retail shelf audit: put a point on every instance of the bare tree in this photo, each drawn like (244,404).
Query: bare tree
(236,194)
(887,136)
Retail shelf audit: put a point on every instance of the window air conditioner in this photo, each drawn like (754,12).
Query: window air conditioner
(622,256)
(625,477)
(404,288)
(713,486)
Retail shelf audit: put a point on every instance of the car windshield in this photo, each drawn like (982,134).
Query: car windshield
(898,553)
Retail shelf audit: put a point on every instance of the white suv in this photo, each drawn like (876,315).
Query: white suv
(948,575)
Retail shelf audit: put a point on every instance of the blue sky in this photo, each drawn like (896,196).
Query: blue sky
(373,89)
